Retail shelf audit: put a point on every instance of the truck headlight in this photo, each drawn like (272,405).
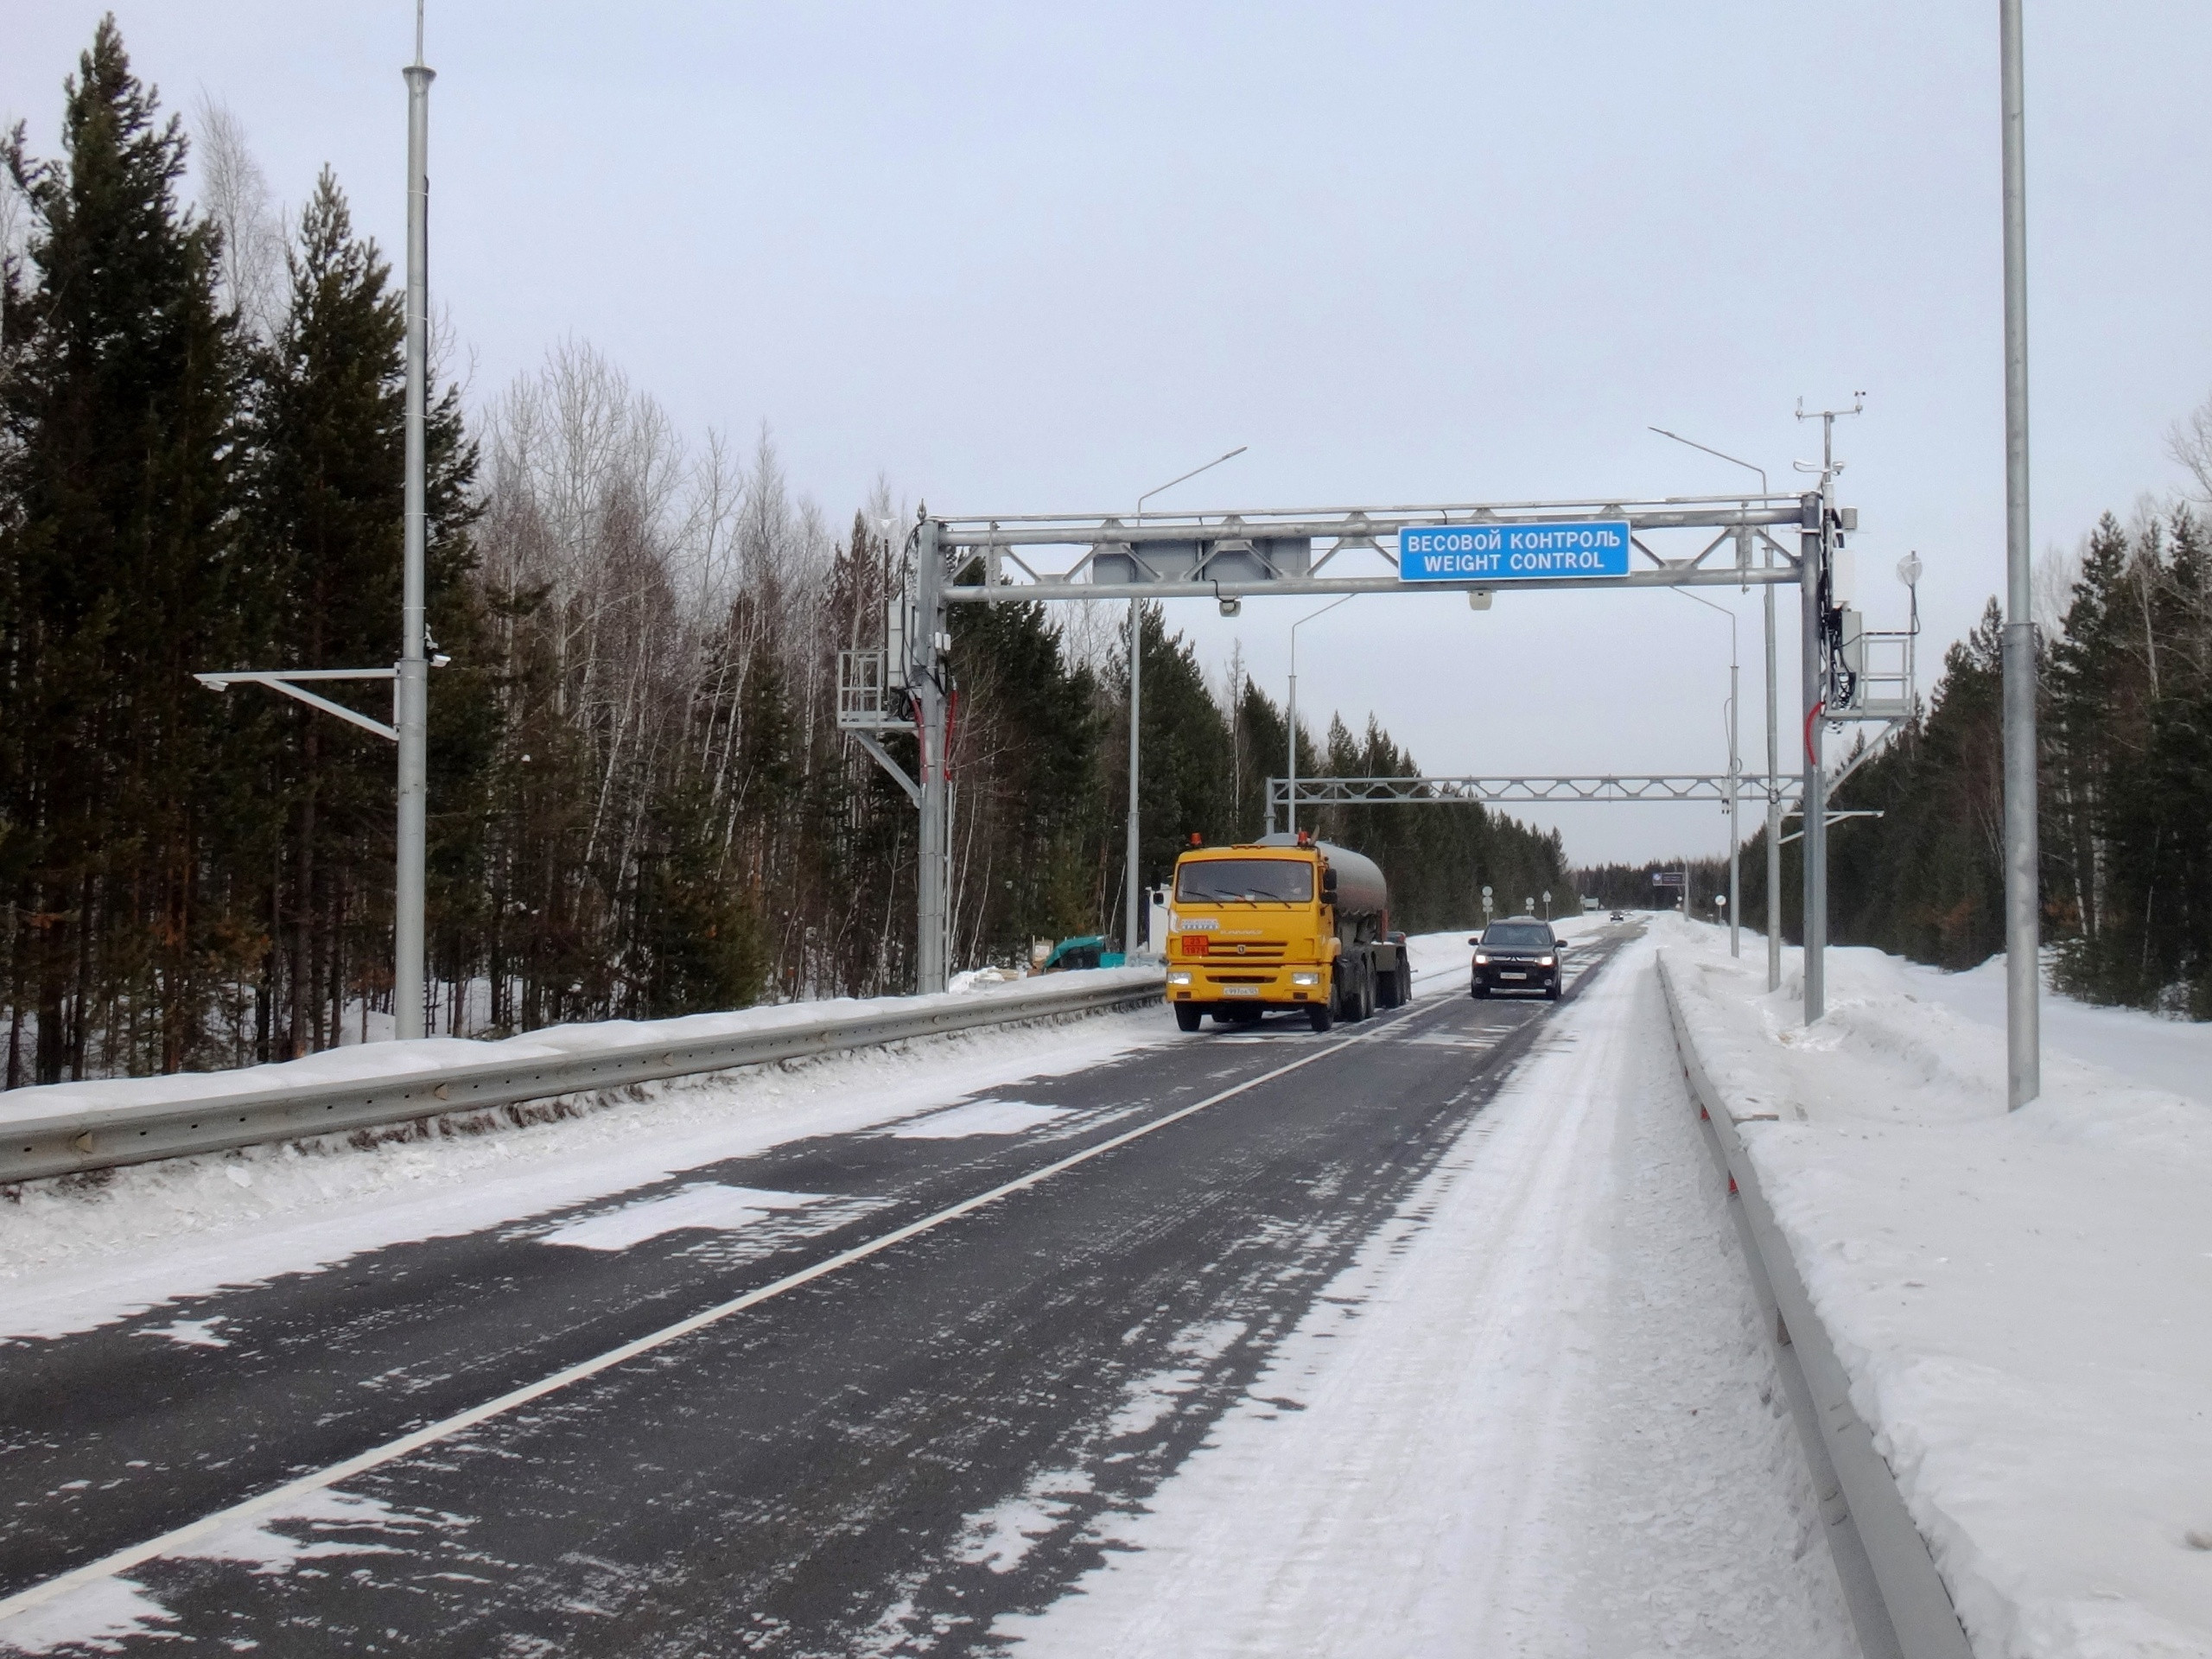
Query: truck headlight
(1305,979)
(1180,976)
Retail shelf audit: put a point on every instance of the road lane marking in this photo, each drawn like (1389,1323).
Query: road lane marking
(176,1541)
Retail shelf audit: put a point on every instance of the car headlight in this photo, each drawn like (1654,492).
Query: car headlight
(1482,958)
(1180,976)
(1305,979)
(1547,961)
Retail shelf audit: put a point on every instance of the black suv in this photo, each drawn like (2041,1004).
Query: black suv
(1518,954)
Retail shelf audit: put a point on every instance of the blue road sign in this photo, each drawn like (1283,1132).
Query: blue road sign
(1598,547)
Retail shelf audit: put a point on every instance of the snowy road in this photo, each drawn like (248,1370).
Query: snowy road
(1343,1344)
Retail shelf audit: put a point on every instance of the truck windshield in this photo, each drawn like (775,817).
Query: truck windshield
(1522,936)
(1225,881)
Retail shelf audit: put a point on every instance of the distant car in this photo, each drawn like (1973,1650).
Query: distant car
(1619,916)
(1518,954)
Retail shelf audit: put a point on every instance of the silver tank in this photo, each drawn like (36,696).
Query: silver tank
(1361,890)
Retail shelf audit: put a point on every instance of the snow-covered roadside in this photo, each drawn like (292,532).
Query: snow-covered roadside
(2146,1048)
(2019,1299)
(429,1054)
(81,1252)
(1536,1416)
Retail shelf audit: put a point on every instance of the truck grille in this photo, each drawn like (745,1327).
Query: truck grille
(1198,945)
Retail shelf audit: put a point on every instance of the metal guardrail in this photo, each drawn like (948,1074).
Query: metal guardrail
(69,1140)
(1898,1604)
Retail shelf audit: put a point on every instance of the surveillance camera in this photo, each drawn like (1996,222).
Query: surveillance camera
(1232,607)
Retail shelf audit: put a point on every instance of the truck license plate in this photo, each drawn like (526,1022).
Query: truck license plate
(1240,990)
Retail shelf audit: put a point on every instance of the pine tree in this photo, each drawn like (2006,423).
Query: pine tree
(326,508)
(120,411)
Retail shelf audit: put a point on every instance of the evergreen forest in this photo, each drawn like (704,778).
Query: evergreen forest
(2123,671)
(640,803)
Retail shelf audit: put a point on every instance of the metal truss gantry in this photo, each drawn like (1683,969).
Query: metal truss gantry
(1711,786)
(1252,553)
(1740,540)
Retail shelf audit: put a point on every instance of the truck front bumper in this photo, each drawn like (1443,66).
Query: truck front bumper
(1289,986)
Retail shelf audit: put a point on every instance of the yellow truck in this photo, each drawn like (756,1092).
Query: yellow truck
(1284,923)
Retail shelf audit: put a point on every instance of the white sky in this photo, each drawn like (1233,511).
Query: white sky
(1024,257)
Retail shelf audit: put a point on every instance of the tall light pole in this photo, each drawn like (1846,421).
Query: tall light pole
(410,693)
(411,703)
(1773,739)
(1294,627)
(2023,937)
(1735,772)
(1136,661)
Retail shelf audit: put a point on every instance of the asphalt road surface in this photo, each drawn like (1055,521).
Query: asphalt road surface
(798,1474)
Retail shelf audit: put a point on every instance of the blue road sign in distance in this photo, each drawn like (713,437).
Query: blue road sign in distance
(1598,547)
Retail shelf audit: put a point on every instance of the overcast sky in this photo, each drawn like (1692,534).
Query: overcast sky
(1025,257)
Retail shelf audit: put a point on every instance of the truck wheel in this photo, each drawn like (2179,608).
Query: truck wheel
(1320,1015)
(1367,998)
(1187,1015)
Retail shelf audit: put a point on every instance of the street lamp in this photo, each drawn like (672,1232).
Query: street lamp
(1773,742)
(1735,769)
(1136,660)
(1294,627)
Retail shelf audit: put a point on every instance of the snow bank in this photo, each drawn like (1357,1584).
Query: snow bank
(2019,1299)
(431,1054)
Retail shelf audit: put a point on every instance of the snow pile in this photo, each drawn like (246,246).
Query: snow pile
(2019,1299)
(432,1054)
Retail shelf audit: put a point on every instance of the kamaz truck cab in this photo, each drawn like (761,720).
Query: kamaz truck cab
(1281,923)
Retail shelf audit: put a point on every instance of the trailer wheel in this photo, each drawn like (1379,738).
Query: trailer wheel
(1187,1015)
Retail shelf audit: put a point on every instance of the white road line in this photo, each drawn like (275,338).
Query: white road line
(174,1542)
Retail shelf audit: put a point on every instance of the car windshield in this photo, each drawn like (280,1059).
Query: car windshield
(1518,936)
(1223,880)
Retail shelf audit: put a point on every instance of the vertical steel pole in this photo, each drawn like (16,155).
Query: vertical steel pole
(933,875)
(1812,553)
(1136,676)
(1291,809)
(412,692)
(1735,823)
(1773,792)
(2022,898)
